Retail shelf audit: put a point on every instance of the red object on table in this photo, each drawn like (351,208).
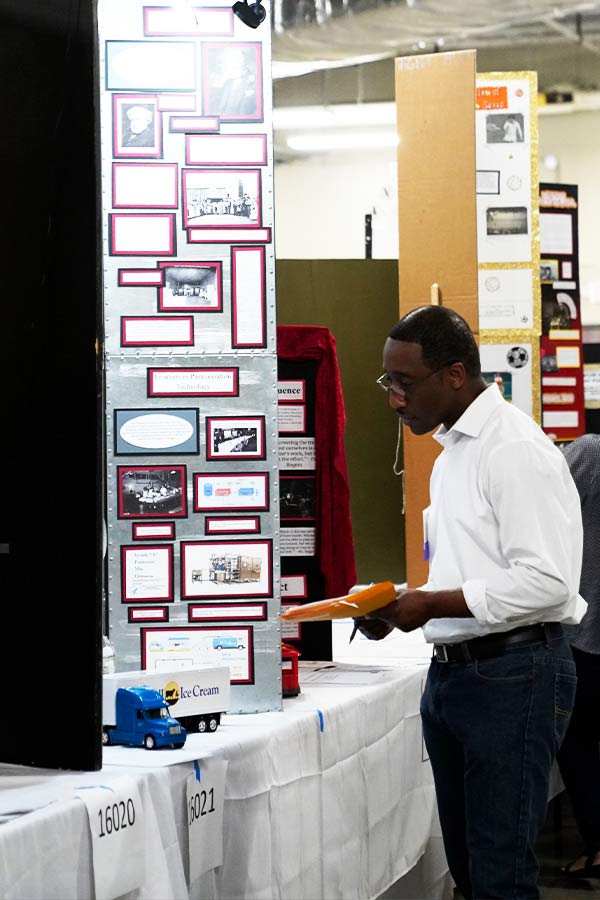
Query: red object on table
(290,686)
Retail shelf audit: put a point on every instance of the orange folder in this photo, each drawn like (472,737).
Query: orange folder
(349,607)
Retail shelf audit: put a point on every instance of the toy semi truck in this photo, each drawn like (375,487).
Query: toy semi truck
(142,719)
(196,696)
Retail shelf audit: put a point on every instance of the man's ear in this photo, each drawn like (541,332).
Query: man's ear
(457,375)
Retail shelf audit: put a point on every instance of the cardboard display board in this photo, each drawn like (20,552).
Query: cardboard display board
(469,231)
(508,235)
(435,101)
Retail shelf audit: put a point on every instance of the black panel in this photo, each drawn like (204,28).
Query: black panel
(51,460)
(315,642)
(591,354)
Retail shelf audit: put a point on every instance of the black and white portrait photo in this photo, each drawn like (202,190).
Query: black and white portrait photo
(137,128)
(218,197)
(232,80)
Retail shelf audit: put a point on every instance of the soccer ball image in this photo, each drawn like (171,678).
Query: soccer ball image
(517,357)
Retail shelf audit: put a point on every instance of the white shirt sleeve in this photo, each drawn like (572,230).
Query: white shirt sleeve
(540,534)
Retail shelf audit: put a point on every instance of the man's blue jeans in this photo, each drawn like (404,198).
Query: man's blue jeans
(492,728)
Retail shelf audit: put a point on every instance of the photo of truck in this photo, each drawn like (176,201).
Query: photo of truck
(227,643)
(140,717)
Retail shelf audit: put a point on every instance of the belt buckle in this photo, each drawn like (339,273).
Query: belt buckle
(441,653)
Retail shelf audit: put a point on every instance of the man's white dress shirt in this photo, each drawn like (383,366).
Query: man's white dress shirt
(504,523)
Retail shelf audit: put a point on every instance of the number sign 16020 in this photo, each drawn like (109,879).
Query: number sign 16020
(116,817)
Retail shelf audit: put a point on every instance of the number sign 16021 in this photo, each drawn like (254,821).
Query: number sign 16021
(116,816)
(200,803)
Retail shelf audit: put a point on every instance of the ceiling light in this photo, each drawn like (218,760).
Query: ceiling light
(251,14)
(550,162)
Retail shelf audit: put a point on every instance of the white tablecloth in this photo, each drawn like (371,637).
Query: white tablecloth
(332,798)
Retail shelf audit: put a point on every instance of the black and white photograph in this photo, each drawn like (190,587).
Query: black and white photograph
(297,497)
(235,437)
(501,128)
(152,491)
(191,286)
(504,220)
(559,310)
(218,197)
(232,82)
(137,126)
(549,270)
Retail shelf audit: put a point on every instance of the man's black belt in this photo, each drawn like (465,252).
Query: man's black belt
(495,644)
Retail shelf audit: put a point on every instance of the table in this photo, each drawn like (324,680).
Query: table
(330,799)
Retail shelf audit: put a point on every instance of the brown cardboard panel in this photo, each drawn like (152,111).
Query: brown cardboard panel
(435,102)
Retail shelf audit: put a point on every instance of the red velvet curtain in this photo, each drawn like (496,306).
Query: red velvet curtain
(334,543)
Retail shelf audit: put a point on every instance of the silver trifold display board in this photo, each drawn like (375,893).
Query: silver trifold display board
(192,487)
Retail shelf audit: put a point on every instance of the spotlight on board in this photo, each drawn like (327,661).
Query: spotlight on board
(251,14)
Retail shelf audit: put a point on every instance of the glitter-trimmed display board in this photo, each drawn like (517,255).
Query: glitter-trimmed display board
(508,235)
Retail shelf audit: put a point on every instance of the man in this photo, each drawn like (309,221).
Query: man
(579,755)
(503,536)
(512,130)
(139,127)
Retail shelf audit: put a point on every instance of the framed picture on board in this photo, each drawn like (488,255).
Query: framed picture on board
(137,126)
(232,81)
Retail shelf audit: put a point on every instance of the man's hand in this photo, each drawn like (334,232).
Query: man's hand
(372,628)
(413,608)
(408,611)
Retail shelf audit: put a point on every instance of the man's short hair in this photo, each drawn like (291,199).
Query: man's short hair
(443,335)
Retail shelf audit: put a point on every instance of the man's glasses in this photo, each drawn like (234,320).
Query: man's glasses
(403,388)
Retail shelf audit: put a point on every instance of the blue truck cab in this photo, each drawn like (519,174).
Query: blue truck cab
(143,720)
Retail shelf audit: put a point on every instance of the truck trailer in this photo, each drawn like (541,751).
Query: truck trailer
(196,695)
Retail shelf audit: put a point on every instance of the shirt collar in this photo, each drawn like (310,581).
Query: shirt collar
(474,417)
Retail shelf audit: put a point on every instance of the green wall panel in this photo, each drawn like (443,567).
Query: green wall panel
(357,300)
